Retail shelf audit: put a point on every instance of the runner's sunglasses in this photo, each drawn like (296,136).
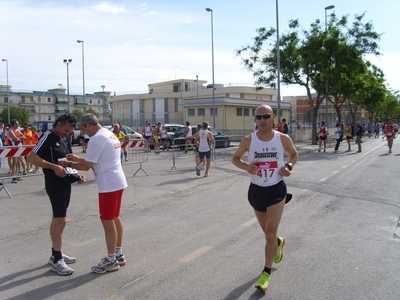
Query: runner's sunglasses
(265,116)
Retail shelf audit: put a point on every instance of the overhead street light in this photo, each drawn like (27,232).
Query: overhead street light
(278,64)
(8,91)
(212,53)
(326,81)
(83,74)
(68,61)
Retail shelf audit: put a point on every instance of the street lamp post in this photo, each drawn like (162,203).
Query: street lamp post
(8,91)
(83,74)
(212,53)
(278,63)
(326,81)
(68,61)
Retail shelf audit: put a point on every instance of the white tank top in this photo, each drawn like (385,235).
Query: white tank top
(147,131)
(189,131)
(204,145)
(268,156)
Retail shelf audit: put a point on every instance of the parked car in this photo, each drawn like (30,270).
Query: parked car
(171,129)
(43,126)
(221,140)
(133,135)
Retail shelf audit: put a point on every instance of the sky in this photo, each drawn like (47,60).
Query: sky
(130,44)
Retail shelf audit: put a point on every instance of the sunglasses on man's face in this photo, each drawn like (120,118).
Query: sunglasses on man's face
(265,116)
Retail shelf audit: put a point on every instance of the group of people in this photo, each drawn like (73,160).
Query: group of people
(11,135)
(158,133)
(266,166)
(60,167)
(389,131)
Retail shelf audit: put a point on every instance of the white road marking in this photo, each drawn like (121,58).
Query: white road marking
(136,280)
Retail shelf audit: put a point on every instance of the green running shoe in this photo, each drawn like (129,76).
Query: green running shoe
(279,250)
(262,283)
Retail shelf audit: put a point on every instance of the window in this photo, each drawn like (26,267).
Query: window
(201,111)
(239,111)
(176,104)
(165,104)
(98,101)
(90,101)
(5,99)
(216,111)
(39,99)
(31,98)
(141,106)
(191,112)
(246,112)
(49,117)
(254,112)
(48,99)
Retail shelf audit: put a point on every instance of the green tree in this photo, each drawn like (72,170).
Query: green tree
(77,113)
(20,114)
(310,58)
(91,111)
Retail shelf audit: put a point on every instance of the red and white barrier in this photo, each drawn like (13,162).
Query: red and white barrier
(15,151)
(133,144)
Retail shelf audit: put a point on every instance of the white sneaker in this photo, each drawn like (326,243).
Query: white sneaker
(66,258)
(106,266)
(61,268)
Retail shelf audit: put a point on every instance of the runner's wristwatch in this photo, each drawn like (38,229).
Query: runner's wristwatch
(289,166)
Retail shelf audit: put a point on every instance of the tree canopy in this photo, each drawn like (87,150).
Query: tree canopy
(330,61)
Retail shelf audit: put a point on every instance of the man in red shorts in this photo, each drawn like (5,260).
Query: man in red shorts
(103,156)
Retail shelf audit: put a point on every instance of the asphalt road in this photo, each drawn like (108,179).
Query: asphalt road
(189,237)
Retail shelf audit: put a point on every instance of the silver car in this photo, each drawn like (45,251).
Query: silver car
(133,135)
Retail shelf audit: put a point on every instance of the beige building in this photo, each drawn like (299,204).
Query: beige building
(48,105)
(181,100)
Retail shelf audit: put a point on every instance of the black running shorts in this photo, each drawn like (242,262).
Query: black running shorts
(260,198)
(59,192)
(205,154)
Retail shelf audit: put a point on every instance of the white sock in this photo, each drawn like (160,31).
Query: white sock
(118,251)
(111,257)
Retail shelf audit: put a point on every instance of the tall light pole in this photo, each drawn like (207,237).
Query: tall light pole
(212,53)
(326,81)
(278,63)
(68,61)
(8,91)
(83,74)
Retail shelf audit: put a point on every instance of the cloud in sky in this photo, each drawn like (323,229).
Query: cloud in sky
(109,7)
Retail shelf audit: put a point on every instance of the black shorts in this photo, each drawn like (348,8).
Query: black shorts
(163,140)
(323,138)
(147,137)
(206,154)
(260,197)
(59,192)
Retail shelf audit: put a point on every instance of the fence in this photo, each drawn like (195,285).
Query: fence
(6,154)
(178,146)
(135,154)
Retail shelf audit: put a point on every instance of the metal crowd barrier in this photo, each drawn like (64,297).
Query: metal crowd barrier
(136,154)
(178,145)
(177,151)
(6,153)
